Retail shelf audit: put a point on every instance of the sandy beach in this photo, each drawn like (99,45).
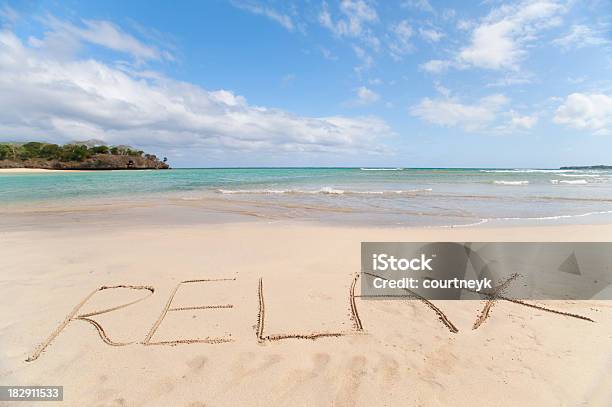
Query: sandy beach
(353,203)
(210,345)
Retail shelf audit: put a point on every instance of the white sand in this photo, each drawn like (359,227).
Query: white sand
(405,356)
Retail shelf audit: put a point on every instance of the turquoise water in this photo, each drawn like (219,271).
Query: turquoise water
(399,196)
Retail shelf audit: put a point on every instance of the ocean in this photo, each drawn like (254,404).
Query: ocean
(385,196)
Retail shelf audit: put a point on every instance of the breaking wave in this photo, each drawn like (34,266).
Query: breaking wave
(572,182)
(581,175)
(555,217)
(324,191)
(526,171)
(381,169)
(511,182)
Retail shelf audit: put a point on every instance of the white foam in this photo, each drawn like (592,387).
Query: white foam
(511,182)
(323,190)
(555,217)
(381,169)
(572,182)
(329,191)
(412,191)
(466,225)
(580,215)
(581,175)
(526,171)
(254,191)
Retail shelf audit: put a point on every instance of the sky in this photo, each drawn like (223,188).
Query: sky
(410,83)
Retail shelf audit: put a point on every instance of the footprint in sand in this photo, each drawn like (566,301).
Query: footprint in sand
(196,364)
(239,371)
(353,375)
(388,367)
(320,361)
(120,402)
(299,377)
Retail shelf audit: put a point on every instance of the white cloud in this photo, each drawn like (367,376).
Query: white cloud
(501,38)
(8,15)
(64,100)
(436,66)
(448,14)
(354,23)
(444,91)
(399,42)
(586,111)
(431,35)
(422,5)
(366,96)
(327,54)
(511,78)
(366,59)
(258,9)
(65,37)
(357,14)
(465,25)
(522,122)
(581,36)
(450,112)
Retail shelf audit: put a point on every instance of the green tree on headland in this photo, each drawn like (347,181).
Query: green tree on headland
(74,152)
(100,150)
(5,152)
(50,151)
(68,152)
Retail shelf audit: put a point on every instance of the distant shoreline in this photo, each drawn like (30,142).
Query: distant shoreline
(33,170)
(47,170)
(76,156)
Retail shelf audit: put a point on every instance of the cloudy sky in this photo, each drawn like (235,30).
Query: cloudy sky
(412,83)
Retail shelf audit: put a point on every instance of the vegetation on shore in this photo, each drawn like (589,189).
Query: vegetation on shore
(588,167)
(66,152)
(75,156)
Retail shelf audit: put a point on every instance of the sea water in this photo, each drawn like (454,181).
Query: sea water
(398,196)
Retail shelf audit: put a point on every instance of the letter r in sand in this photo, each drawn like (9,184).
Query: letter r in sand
(74,315)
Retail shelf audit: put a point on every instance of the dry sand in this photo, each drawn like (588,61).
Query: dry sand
(404,355)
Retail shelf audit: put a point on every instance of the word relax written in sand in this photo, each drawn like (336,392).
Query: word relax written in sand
(357,326)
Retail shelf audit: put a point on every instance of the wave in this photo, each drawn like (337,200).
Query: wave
(581,175)
(526,171)
(467,225)
(555,217)
(573,182)
(381,169)
(254,191)
(511,182)
(324,191)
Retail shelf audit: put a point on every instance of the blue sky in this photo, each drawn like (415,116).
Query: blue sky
(413,83)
